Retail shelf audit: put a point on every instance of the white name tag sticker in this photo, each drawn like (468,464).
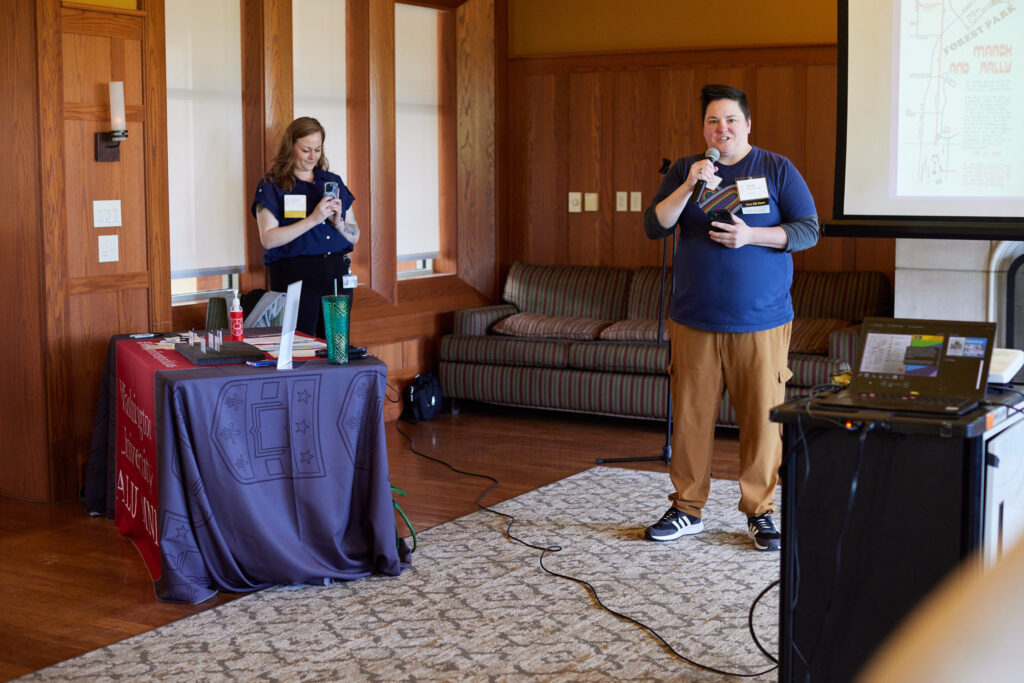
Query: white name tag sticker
(753,194)
(295,206)
(752,189)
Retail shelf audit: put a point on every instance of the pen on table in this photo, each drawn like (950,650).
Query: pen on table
(260,363)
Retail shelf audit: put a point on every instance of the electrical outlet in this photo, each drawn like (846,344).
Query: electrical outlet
(590,201)
(620,201)
(635,201)
(107,248)
(575,202)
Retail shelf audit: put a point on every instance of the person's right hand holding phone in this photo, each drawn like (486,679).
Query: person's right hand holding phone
(719,216)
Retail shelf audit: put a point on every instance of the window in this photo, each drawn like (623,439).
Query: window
(204,147)
(417,138)
(318,73)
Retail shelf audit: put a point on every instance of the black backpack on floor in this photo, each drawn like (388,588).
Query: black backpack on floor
(422,398)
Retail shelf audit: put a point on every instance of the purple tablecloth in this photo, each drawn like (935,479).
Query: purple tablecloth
(264,477)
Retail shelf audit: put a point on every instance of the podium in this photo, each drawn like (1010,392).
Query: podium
(877,509)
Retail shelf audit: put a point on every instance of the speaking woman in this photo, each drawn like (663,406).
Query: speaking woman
(306,223)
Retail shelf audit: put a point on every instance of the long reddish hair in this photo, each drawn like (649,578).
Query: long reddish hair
(282,168)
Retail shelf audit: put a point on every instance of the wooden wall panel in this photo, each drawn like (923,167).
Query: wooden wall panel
(589,167)
(370,70)
(52,193)
(24,470)
(774,125)
(635,160)
(383,190)
(832,253)
(679,119)
(447,143)
(277,72)
(792,93)
(88,181)
(95,317)
(476,133)
(158,221)
(255,159)
(86,60)
(539,183)
(132,293)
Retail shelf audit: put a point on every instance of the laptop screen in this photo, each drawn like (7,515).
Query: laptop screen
(937,357)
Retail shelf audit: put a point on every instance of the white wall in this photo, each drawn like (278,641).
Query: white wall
(954,279)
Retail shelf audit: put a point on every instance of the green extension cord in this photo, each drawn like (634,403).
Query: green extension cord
(407,523)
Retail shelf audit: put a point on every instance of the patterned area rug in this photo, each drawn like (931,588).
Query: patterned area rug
(477,606)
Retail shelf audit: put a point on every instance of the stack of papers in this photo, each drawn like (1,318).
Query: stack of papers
(302,347)
(1006,363)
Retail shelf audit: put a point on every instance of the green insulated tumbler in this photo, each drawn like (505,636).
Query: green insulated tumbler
(336,314)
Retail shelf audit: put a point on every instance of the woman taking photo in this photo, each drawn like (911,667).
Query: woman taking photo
(305,220)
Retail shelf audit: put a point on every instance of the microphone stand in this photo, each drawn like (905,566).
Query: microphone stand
(666,450)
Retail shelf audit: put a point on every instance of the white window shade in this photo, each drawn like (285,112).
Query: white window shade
(204,137)
(318,73)
(416,132)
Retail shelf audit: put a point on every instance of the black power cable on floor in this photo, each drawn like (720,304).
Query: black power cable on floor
(545,550)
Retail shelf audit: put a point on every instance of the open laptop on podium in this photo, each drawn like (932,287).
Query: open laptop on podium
(921,366)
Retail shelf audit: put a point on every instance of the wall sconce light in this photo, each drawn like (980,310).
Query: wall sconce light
(108,145)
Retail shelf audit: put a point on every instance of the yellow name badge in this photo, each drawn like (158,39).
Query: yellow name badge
(295,206)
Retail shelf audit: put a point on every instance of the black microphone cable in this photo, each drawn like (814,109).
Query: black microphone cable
(545,550)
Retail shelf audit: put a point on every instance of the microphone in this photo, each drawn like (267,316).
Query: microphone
(698,190)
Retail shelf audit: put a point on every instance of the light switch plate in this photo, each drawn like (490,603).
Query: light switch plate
(106,213)
(635,201)
(590,201)
(620,201)
(575,202)
(107,248)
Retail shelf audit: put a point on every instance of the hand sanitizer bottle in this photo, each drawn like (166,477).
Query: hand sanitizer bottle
(235,319)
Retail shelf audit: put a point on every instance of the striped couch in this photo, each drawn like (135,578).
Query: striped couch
(585,339)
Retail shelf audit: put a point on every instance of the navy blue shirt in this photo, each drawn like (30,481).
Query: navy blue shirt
(322,238)
(735,290)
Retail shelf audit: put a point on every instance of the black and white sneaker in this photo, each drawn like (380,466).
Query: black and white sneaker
(762,529)
(673,524)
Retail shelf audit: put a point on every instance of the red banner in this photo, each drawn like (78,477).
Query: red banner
(135,510)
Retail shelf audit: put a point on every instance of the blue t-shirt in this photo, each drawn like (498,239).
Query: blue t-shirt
(735,290)
(321,239)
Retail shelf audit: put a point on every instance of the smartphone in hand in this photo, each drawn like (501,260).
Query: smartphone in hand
(720,215)
(331,189)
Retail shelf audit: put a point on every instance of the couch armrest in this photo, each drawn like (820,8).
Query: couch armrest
(476,321)
(843,343)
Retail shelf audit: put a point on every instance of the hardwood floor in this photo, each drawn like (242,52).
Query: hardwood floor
(70,584)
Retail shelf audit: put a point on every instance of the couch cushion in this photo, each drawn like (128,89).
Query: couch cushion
(633,358)
(810,371)
(505,351)
(634,330)
(848,295)
(644,291)
(605,393)
(576,291)
(810,335)
(550,326)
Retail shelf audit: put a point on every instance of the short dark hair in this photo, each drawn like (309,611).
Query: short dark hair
(714,91)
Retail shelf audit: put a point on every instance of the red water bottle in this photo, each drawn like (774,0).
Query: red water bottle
(235,319)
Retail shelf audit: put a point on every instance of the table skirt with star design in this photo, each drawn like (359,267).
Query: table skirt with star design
(264,477)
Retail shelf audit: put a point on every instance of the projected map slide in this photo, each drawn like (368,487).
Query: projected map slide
(960,79)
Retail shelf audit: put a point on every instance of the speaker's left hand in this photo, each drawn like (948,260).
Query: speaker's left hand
(733,235)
